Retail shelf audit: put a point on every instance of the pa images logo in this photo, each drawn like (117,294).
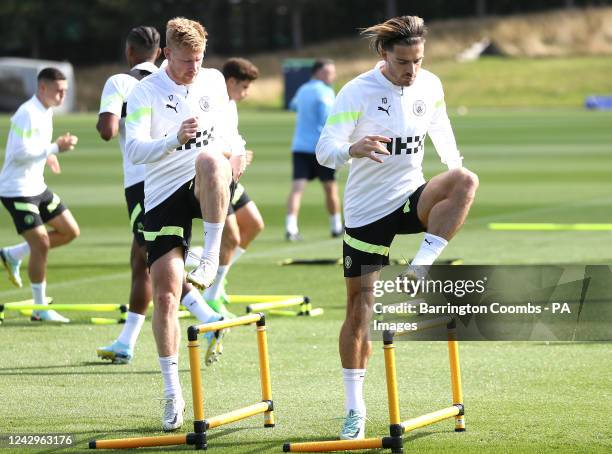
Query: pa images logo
(205,103)
(419,108)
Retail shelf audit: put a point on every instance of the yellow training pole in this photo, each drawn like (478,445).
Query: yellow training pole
(140,442)
(455,372)
(229,323)
(197,392)
(395,428)
(237,415)
(264,371)
(259,298)
(430,418)
(275,304)
(334,445)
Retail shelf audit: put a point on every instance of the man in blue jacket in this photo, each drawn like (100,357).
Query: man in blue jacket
(312,102)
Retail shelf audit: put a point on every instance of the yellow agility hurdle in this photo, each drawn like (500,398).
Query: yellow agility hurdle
(26,307)
(201,425)
(397,427)
(277,304)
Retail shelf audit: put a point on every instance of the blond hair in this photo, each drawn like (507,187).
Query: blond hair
(404,30)
(185,33)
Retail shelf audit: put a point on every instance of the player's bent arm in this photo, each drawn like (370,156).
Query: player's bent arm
(26,146)
(139,145)
(107,126)
(334,143)
(442,136)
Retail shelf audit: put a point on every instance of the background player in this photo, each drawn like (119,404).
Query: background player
(24,193)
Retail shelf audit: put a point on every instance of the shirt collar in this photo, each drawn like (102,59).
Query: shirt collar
(39,105)
(384,81)
(146,66)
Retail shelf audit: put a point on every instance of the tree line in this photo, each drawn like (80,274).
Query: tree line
(93,31)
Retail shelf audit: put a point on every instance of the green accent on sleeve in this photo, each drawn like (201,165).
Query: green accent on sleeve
(54,203)
(343,117)
(407,207)
(365,247)
(135,212)
(29,207)
(105,102)
(138,114)
(167,230)
(23,133)
(439,103)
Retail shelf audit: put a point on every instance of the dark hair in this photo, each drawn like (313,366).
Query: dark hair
(404,30)
(320,63)
(144,40)
(240,69)
(50,75)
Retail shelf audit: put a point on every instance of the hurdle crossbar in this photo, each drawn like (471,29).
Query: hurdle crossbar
(275,307)
(201,425)
(397,428)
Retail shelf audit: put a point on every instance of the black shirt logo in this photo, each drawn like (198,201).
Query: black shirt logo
(385,110)
(173,107)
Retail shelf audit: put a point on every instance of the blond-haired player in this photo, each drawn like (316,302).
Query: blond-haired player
(175,125)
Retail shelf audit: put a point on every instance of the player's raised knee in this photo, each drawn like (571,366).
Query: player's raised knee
(73,232)
(464,180)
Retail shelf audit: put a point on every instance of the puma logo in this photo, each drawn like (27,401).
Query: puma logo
(385,110)
(173,107)
(427,241)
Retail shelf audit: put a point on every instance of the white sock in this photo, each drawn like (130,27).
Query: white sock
(19,251)
(131,329)
(38,292)
(237,254)
(291,224)
(169,370)
(197,306)
(431,248)
(212,241)
(335,222)
(214,291)
(353,390)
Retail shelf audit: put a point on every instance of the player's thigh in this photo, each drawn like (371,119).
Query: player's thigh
(36,237)
(249,216)
(436,190)
(330,187)
(167,276)
(65,223)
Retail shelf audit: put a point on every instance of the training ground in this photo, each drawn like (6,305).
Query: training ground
(534,166)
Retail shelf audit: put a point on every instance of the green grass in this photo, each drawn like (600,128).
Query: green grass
(534,166)
(524,82)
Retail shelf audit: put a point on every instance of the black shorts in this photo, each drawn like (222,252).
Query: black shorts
(239,199)
(366,248)
(30,212)
(134,197)
(168,225)
(306,166)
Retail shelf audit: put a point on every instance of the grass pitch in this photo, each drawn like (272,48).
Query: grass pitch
(534,166)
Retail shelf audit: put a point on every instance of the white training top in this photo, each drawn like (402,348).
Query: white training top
(371,105)
(27,148)
(114,96)
(156,108)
